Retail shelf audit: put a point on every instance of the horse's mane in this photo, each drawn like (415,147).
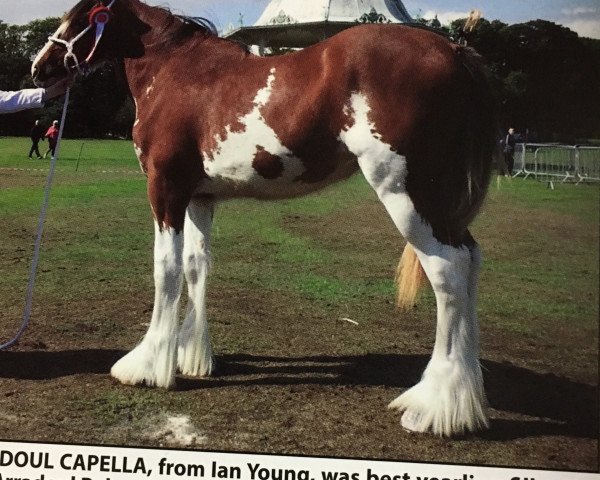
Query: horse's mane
(177,28)
(201,23)
(172,30)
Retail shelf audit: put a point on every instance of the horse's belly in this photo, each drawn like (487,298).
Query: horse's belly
(266,175)
(256,164)
(257,174)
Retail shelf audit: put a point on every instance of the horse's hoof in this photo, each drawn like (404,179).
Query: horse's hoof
(412,422)
(195,358)
(142,366)
(187,365)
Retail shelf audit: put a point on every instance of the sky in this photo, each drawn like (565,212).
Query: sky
(582,16)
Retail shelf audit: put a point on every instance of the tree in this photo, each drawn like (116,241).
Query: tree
(36,35)
(13,64)
(545,77)
(95,102)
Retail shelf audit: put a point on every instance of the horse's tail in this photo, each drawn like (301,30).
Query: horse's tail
(477,146)
(409,277)
(479,135)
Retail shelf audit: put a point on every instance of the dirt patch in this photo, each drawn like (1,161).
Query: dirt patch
(174,431)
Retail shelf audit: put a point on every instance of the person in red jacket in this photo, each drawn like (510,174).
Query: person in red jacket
(52,136)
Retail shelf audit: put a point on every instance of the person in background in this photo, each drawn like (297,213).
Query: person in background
(11,102)
(52,136)
(37,134)
(509,150)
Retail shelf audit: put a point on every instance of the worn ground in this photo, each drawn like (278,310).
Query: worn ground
(293,376)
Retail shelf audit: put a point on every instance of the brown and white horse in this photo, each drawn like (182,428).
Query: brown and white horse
(409,109)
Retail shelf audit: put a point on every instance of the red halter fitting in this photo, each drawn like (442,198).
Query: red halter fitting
(99,17)
(99,14)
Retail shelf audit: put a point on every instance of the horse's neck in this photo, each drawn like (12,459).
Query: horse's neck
(156,56)
(138,70)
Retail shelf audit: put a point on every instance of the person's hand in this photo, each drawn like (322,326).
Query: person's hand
(59,88)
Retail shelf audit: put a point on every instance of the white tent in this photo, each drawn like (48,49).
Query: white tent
(295,23)
(294,11)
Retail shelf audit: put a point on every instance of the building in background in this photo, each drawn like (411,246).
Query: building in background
(298,24)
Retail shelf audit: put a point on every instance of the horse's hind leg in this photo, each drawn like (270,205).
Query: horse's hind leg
(449,399)
(194,356)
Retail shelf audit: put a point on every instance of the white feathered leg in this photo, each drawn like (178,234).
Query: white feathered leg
(153,361)
(194,352)
(449,399)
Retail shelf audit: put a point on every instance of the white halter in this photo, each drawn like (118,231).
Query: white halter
(98,20)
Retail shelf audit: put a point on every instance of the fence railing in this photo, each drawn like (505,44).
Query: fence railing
(567,163)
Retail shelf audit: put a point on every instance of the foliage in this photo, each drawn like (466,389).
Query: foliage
(13,62)
(545,77)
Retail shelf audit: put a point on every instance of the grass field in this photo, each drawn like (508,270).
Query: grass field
(293,377)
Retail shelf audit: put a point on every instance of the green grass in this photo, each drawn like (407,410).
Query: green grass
(110,407)
(92,154)
(541,245)
(542,255)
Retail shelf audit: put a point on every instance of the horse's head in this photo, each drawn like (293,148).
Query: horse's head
(93,32)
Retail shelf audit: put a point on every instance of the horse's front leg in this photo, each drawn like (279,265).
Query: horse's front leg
(153,361)
(194,350)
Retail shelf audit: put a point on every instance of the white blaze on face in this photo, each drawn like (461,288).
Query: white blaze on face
(44,50)
(232,158)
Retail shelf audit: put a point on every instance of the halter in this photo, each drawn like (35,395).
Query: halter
(98,17)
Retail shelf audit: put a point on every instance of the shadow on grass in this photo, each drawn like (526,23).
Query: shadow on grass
(567,408)
(45,365)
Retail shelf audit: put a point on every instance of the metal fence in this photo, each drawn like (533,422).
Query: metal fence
(566,163)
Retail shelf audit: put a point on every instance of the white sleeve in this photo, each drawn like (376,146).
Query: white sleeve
(21,100)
